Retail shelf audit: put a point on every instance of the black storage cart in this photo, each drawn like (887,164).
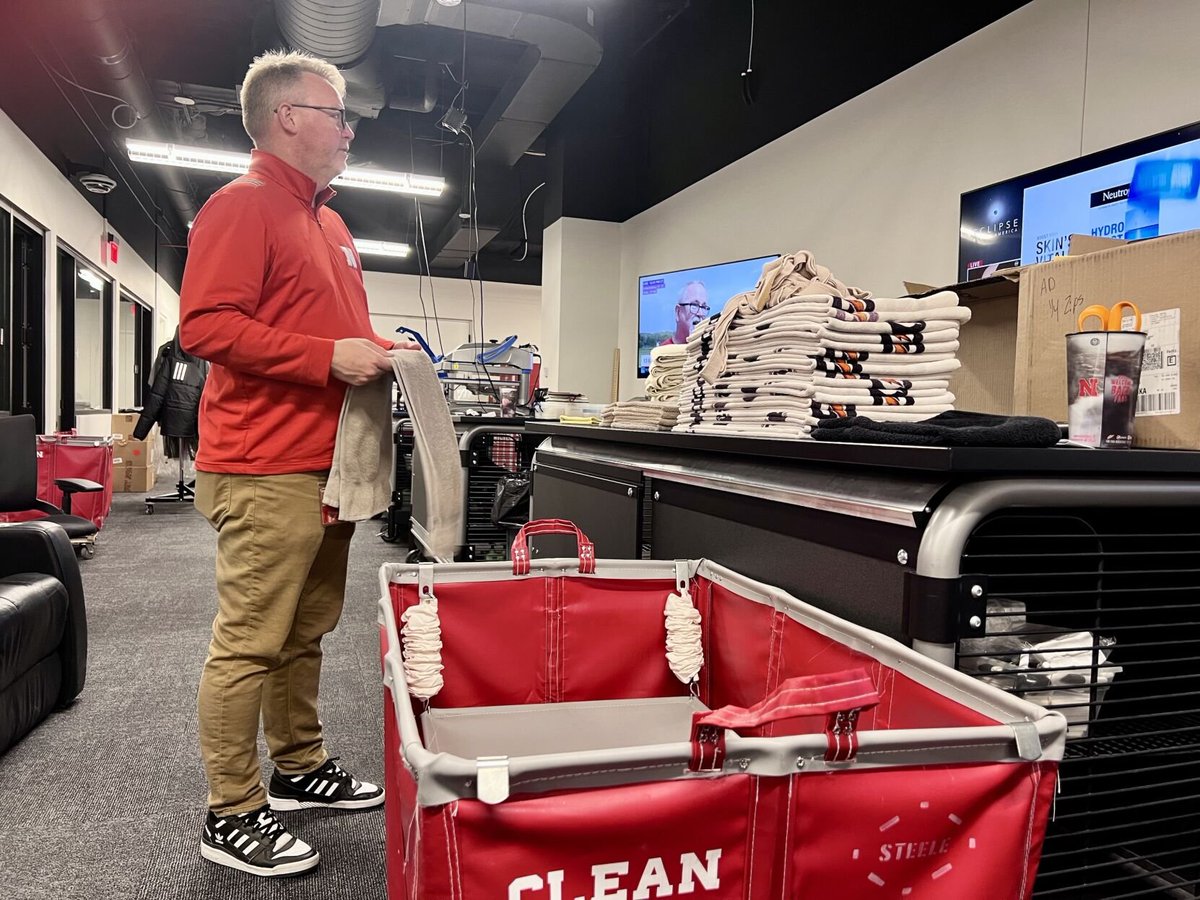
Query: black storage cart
(1098,550)
(489,450)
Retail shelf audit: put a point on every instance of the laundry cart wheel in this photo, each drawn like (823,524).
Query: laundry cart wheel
(414,556)
(87,551)
(149,509)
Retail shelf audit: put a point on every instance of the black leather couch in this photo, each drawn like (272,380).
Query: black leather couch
(43,622)
(43,626)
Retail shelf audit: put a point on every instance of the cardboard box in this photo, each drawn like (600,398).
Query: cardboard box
(124,423)
(135,454)
(134,479)
(1014,349)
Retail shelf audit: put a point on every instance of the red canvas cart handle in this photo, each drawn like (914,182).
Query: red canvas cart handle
(840,696)
(520,545)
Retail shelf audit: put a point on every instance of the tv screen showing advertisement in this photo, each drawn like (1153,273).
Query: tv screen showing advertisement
(671,304)
(1138,190)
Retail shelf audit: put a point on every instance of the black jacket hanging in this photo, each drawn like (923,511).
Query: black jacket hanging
(176,383)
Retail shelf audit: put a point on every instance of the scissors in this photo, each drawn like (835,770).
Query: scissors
(1110,316)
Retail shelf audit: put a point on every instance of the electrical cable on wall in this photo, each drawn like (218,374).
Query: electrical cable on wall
(152,217)
(748,79)
(121,104)
(525,224)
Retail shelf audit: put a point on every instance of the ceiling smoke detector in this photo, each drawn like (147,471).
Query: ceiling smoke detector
(96,182)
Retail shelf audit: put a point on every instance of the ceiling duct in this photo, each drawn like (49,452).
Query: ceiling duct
(106,39)
(563,52)
(338,31)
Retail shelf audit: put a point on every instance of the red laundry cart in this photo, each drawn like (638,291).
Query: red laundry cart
(77,456)
(67,455)
(543,744)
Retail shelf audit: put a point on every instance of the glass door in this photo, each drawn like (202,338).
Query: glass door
(22,318)
(85,339)
(134,355)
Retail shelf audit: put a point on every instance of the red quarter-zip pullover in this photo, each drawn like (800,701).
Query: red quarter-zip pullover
(272,280)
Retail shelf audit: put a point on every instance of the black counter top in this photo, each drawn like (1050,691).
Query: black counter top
(993,460)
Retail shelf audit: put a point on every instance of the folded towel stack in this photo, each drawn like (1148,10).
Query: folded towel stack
(888,359)
(765,385)
(749,371)
(666,373)
(641,414)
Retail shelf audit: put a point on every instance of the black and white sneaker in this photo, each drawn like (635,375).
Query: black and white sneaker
(255,842)
(330,786)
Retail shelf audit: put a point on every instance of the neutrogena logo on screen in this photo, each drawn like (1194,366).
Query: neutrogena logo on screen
(1140,197)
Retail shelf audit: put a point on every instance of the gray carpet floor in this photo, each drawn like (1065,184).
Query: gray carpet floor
(106,799)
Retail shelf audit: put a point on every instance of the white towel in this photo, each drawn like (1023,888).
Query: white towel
(359,484)
(890,346)
(865,386)
(941,331)
(933,398)
(940,300)
(888,367)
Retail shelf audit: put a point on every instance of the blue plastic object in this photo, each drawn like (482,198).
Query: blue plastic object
(420,340)
(486,356)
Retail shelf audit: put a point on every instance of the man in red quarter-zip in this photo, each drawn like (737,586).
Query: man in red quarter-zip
(273,298)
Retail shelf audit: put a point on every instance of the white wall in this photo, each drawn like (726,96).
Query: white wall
(507,308)
(872,187)
(581,287)
(32,185)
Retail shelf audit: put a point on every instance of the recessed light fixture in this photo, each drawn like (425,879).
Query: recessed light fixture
(207,160)
(381,248)
(449,2)
(184,101)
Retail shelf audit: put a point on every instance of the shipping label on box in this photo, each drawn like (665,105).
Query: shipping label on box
(1159,388)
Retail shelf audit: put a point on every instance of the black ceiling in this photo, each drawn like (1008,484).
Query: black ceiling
(664,109)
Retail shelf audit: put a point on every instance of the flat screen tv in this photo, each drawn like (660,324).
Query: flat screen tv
(671,304)
(1138,190)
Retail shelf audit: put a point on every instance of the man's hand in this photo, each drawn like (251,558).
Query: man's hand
(358,360)
(406,345)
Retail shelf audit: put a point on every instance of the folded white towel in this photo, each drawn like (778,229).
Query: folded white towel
(890,345)
(944,314)
(864,386)
(941,331)
(940,300)
(888,367)
(933,398)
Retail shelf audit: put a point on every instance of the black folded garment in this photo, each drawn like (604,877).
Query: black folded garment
(956,428)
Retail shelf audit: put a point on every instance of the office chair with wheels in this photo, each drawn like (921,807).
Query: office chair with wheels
(18,485)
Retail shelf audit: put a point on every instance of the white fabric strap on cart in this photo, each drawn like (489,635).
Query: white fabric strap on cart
(421,639)
(685,648)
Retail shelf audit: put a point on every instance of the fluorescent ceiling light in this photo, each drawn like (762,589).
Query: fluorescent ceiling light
(92,279)
(381,248)
(237,163)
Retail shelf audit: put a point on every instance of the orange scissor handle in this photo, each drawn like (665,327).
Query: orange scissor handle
(1110,317)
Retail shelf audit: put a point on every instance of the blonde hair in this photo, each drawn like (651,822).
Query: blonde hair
(268,80)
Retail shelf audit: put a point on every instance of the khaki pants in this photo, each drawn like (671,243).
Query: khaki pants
(281,579)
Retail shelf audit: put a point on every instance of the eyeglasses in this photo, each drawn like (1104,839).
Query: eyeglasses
(693,305)
(338,112)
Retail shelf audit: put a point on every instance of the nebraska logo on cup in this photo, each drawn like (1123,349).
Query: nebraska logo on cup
(612,881)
